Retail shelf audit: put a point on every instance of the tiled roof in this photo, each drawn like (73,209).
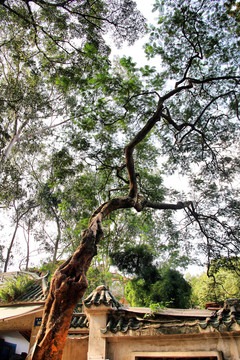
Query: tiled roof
(37,290)
(191,313)
(176,321)
(164,321)
(34,294)
(6,276)
(122,324)
(225,317)
(101,296)
(79,321)
(78,309)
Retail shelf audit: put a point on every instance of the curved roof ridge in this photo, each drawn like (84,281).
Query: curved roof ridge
(101,295)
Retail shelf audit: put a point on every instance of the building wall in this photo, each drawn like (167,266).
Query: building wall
(123,348)
(75,349)
(35,326)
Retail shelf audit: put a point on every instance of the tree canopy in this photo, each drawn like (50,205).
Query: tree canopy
(113,133)
(201,131)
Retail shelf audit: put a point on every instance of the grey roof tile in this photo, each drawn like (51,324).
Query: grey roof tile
(223,320)
(227,316)
(34,293)
(101,296)
(122,324)
(79,321)
(37,288)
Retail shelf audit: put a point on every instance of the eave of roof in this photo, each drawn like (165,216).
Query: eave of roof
(35,293)
(174,321)
(30,303)
(17,311)
(194,313)
(134,326)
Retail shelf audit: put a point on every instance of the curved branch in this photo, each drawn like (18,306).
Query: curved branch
(120,176)
(192,58)
(177,90)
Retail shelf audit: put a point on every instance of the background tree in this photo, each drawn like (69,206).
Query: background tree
(152,283)
(20,212)
(201,135)
(223,285)
(19,203)
(204,77)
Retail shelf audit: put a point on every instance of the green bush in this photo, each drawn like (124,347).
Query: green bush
(12,289)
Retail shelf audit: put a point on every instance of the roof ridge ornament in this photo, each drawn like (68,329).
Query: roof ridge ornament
(101,295)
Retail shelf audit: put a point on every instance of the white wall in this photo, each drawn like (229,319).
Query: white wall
(15,337)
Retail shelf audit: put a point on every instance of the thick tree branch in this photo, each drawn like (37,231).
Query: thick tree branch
(213,78)
(162,206)
(177,90)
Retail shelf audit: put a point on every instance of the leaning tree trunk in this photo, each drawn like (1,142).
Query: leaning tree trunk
(69,282)
(68,286)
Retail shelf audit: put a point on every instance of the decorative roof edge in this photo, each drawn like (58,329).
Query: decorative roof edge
(101,295)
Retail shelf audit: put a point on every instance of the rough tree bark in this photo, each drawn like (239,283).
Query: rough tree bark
(69,282)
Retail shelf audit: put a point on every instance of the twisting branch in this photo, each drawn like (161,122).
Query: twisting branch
(170,120)
(214,78)
(210,103)
(196,48)
(192,58)
(131,146)
(210,239)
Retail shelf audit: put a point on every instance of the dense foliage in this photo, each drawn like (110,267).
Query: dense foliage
(169,290)
(216,289)
(49,53)
(151,284)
